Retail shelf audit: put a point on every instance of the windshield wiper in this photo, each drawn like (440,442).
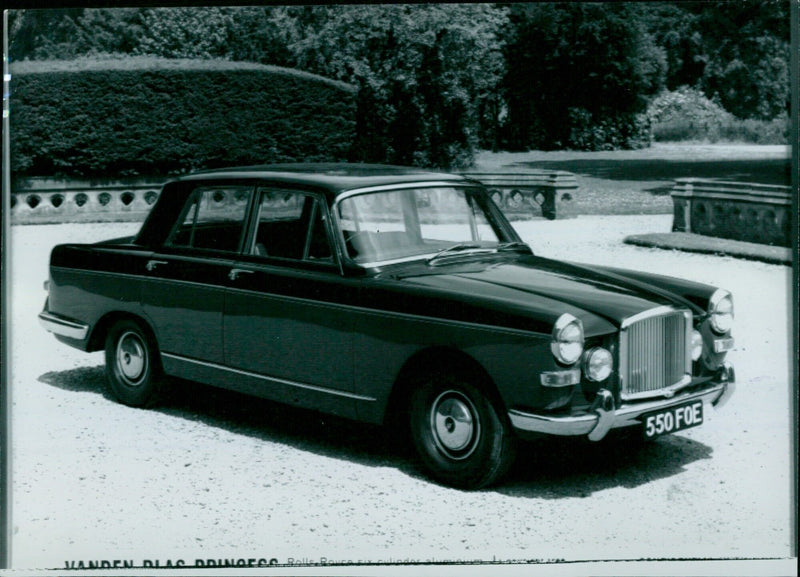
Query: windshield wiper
(462,246)
(471,246)
(515,245)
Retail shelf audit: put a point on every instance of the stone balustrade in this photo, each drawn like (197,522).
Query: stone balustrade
(759,213)
(526,193)
(45,200)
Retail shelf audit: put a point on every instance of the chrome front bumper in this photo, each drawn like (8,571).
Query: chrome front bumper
(62,326)
(604,415)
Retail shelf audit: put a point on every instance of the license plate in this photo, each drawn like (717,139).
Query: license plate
(673,419)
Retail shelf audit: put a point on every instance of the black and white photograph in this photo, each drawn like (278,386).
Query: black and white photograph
(401,288)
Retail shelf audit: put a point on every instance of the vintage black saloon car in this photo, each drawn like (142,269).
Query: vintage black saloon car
(390,295)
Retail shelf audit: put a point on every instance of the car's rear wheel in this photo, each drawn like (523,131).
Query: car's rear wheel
(461,436)
(133,368)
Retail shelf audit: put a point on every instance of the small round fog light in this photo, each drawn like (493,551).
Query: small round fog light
(697,345)
(597,364)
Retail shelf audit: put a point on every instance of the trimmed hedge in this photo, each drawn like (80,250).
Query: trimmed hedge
(156,117)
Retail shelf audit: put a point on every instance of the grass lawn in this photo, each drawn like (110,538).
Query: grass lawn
(640,181)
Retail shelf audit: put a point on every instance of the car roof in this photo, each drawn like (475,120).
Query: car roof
(333,178)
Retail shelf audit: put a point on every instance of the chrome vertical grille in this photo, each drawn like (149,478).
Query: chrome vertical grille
(654,353)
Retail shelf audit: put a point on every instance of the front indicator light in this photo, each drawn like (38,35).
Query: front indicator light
(598,364)
(560,378)
(697,345)
(722,345)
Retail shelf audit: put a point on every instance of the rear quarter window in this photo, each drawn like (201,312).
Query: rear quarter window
(213,218)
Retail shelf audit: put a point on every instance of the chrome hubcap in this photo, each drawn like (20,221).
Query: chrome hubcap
(455,424)
(131,358)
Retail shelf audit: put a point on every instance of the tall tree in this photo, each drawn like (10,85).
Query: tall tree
(424,71)
(185,32)
(747,70)
(574,67)
(675,28)
(70,33)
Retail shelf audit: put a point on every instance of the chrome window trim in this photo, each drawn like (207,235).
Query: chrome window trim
(404,186)
(389,188)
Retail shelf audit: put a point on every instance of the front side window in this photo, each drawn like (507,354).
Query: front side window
(400,224)
(291,225)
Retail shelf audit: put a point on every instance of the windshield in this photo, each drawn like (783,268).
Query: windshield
(416,222)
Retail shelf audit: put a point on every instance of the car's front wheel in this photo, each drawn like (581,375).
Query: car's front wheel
(461,436)
(132,364)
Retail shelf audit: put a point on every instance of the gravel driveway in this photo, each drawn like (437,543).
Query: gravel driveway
(212,475)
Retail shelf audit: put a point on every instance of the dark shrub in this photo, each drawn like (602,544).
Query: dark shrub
(145,116)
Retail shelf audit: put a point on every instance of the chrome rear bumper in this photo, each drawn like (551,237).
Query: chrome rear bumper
(603,415)
(62,326)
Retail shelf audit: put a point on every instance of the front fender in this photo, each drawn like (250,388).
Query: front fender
(696,295)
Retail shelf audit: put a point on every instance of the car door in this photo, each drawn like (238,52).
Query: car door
(184,291)
(285,320)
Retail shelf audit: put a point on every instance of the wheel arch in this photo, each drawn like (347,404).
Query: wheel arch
(429,361)
(97,338)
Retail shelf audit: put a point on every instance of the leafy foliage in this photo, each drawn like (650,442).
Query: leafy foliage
(569,64)
(428,71)
(184,32)
(424,71)
(675,29)
(157,117)
(437,81)
(747,62)
(687,114)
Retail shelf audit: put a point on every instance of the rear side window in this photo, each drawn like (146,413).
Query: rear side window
(213,218)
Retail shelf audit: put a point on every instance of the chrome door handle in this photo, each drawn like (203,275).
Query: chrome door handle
(152,264)
(235,272)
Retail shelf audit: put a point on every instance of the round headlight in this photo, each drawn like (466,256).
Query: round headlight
(720,310)
(597,364)
(567,345)
(697,345)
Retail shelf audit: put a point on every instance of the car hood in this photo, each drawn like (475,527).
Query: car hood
(545,289)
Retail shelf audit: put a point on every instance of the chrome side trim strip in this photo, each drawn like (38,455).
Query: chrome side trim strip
(269,379)
(64,327)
